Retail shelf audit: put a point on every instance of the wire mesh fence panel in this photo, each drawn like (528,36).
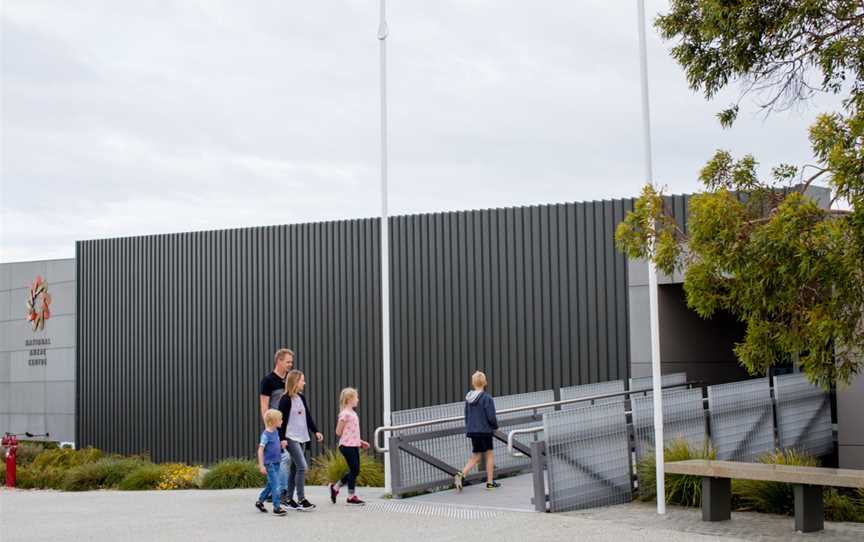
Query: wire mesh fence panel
(588,390)
(741,415)
(683,419)
(502,458)
(645,382)
(803,415)
(454,450)
(450,449)
(588,457)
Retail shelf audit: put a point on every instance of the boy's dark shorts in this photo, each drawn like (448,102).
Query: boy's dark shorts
(480,443)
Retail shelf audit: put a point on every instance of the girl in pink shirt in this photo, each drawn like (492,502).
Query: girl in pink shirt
(348,431)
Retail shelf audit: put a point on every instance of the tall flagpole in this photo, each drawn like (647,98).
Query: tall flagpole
(385,246)
(656,374)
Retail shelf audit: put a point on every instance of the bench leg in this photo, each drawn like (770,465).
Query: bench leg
(808,508)
(716,499)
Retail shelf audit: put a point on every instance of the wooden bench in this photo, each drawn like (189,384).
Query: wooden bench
(808,483)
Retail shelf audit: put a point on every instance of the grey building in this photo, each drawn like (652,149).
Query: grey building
(175,331)
(37,358)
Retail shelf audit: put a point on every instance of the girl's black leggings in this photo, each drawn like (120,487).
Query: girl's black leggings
(352,457)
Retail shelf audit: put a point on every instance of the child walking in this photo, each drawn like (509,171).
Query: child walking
(297,423)
(269,459)
(480,423)
(348,431)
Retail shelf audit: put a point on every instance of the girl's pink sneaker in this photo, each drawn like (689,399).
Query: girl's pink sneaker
(354,499)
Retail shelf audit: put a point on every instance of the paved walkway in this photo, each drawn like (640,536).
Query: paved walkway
(229,515)
(514,495)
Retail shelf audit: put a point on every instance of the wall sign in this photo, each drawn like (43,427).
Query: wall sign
(38,303)
(38,355)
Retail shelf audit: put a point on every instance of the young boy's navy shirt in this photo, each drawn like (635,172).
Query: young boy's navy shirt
(272,451)
(480,414)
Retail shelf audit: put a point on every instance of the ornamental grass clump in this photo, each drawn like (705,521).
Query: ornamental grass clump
(681,489)
(107,473)
(330,466)
(771,497)
(233,473)
(147,476)
(65,458)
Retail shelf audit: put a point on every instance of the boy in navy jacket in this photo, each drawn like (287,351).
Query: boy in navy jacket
(480,422)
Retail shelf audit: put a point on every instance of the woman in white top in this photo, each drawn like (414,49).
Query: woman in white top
(297,424)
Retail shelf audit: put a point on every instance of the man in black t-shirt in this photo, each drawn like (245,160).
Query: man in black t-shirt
(273,385)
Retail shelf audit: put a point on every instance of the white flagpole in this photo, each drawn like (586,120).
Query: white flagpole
(385,247)
(656,374)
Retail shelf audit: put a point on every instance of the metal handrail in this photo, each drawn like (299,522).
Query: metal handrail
(390,428)
(515,432)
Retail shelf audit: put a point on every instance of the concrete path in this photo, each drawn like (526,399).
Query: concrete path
(514,495)
(229,515)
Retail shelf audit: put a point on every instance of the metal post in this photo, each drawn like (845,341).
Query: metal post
(716,499)
(385,246)
(395,480)
(538,466)
(656,372)
(809,516)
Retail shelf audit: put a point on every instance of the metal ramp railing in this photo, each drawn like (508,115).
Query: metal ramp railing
(427,446)
(582,449)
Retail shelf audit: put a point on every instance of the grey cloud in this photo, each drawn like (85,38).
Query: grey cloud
(134,117)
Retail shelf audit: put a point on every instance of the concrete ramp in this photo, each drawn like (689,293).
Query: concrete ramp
(514,495)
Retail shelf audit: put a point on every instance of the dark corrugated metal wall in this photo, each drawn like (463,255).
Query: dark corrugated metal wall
(175,331)
(534,296)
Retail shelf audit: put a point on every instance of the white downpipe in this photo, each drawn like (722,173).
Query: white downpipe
(656,374)
(385,246)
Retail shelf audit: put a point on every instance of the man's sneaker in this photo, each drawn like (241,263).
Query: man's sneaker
(492,485)
(291,505)
(279,511)
(355,500)
(333,493)
(305,505)
(260,506)
(458,481)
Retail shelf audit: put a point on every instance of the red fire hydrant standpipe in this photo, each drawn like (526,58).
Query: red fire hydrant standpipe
(10,445)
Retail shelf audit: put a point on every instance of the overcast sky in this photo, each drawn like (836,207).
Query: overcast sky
(128,118)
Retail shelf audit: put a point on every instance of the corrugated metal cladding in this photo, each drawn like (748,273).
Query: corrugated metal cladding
(175,331)
(536,297)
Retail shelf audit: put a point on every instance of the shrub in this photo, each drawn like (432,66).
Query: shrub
(31,477)
(27,452)
(178,476)
(120,468)
(843,505)
(87,476)
(2,471)
(103,474)
(331,465)
(681,489)
(771,497)
(65,458)
(233,473)
(146,476)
